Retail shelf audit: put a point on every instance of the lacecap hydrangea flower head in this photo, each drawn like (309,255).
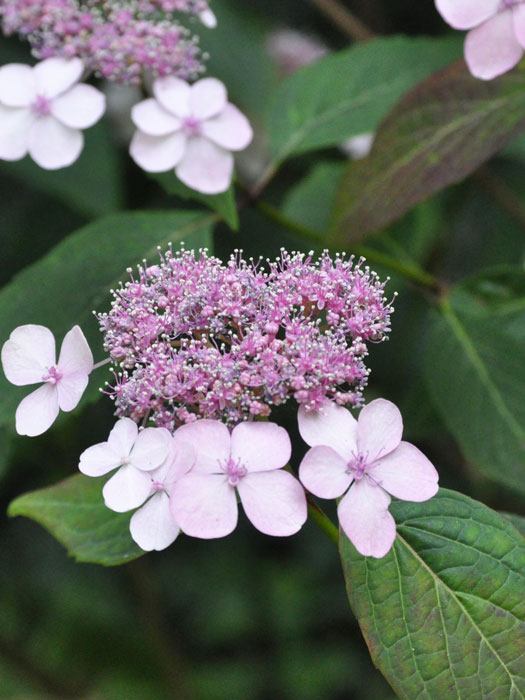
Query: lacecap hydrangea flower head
(495,41)
(191,129)
(202,352)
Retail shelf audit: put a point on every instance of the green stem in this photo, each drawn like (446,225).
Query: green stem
(324,522)
(409,271)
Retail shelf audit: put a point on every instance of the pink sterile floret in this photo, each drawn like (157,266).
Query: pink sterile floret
(43,110)
(366,460)
(191,129)
(29,357)
(496,40)
(196,338)
(149,463)
(247,462)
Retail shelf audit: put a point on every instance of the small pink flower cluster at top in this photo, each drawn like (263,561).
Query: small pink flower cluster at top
(205,351)
(199,339)
(117,41)
(189,129)
(495,41)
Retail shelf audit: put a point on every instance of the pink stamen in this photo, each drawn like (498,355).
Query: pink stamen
(53,375)
(41,106)
(234,471)
(192,126)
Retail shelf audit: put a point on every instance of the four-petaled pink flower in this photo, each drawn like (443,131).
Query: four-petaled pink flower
(42,111)
(247,462)
(192,129)
(149,463)
(496,40)
(29,357)
(368,456)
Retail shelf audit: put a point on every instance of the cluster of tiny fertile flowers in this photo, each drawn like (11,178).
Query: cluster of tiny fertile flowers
(188,126)
(202,352)
(495,42)
(196,338)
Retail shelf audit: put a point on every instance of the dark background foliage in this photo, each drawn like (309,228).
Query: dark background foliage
(247,617)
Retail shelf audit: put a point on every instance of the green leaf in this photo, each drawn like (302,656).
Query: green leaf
(348,93)
(245,66)
(475,373)
(75,277)
(517,520)
(92,186)
(224,204)
(443,613)
(436,136)
(73,511)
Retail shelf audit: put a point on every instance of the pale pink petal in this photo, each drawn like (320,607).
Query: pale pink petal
(205,167)
(261,446)
(204,505)
(17,85)
(358,147)
(379,429)
(208,97)
(174,95)
(211,442)
(180,461)
(152,119)
(28,354)
(230,129)
(406,473)
(332,426)
(364,517)
(518,13)
(15,125)
(208,18)
(98,460)
(38,411)
(53,145)
(157,154)
(75,353)
(151,449)
(127,489)
(70,390)
(122,437)
(324,473)
(274,502)
(153,527)
(466,14)
(80,107)
(56,75)
(493,48)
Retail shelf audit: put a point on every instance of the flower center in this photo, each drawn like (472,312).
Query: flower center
(507,4)
(234,471)
(53,375)
(191,126)
(357,466)
(41,106)
(157,486)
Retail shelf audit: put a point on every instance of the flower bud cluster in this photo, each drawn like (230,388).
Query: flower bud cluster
(119,41)
(196,338)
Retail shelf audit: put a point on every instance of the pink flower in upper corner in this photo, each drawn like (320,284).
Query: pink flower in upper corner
(369,456)
(29,357)
(247,462)
(43,109)
(192,129)
(149,463)
(496,40)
